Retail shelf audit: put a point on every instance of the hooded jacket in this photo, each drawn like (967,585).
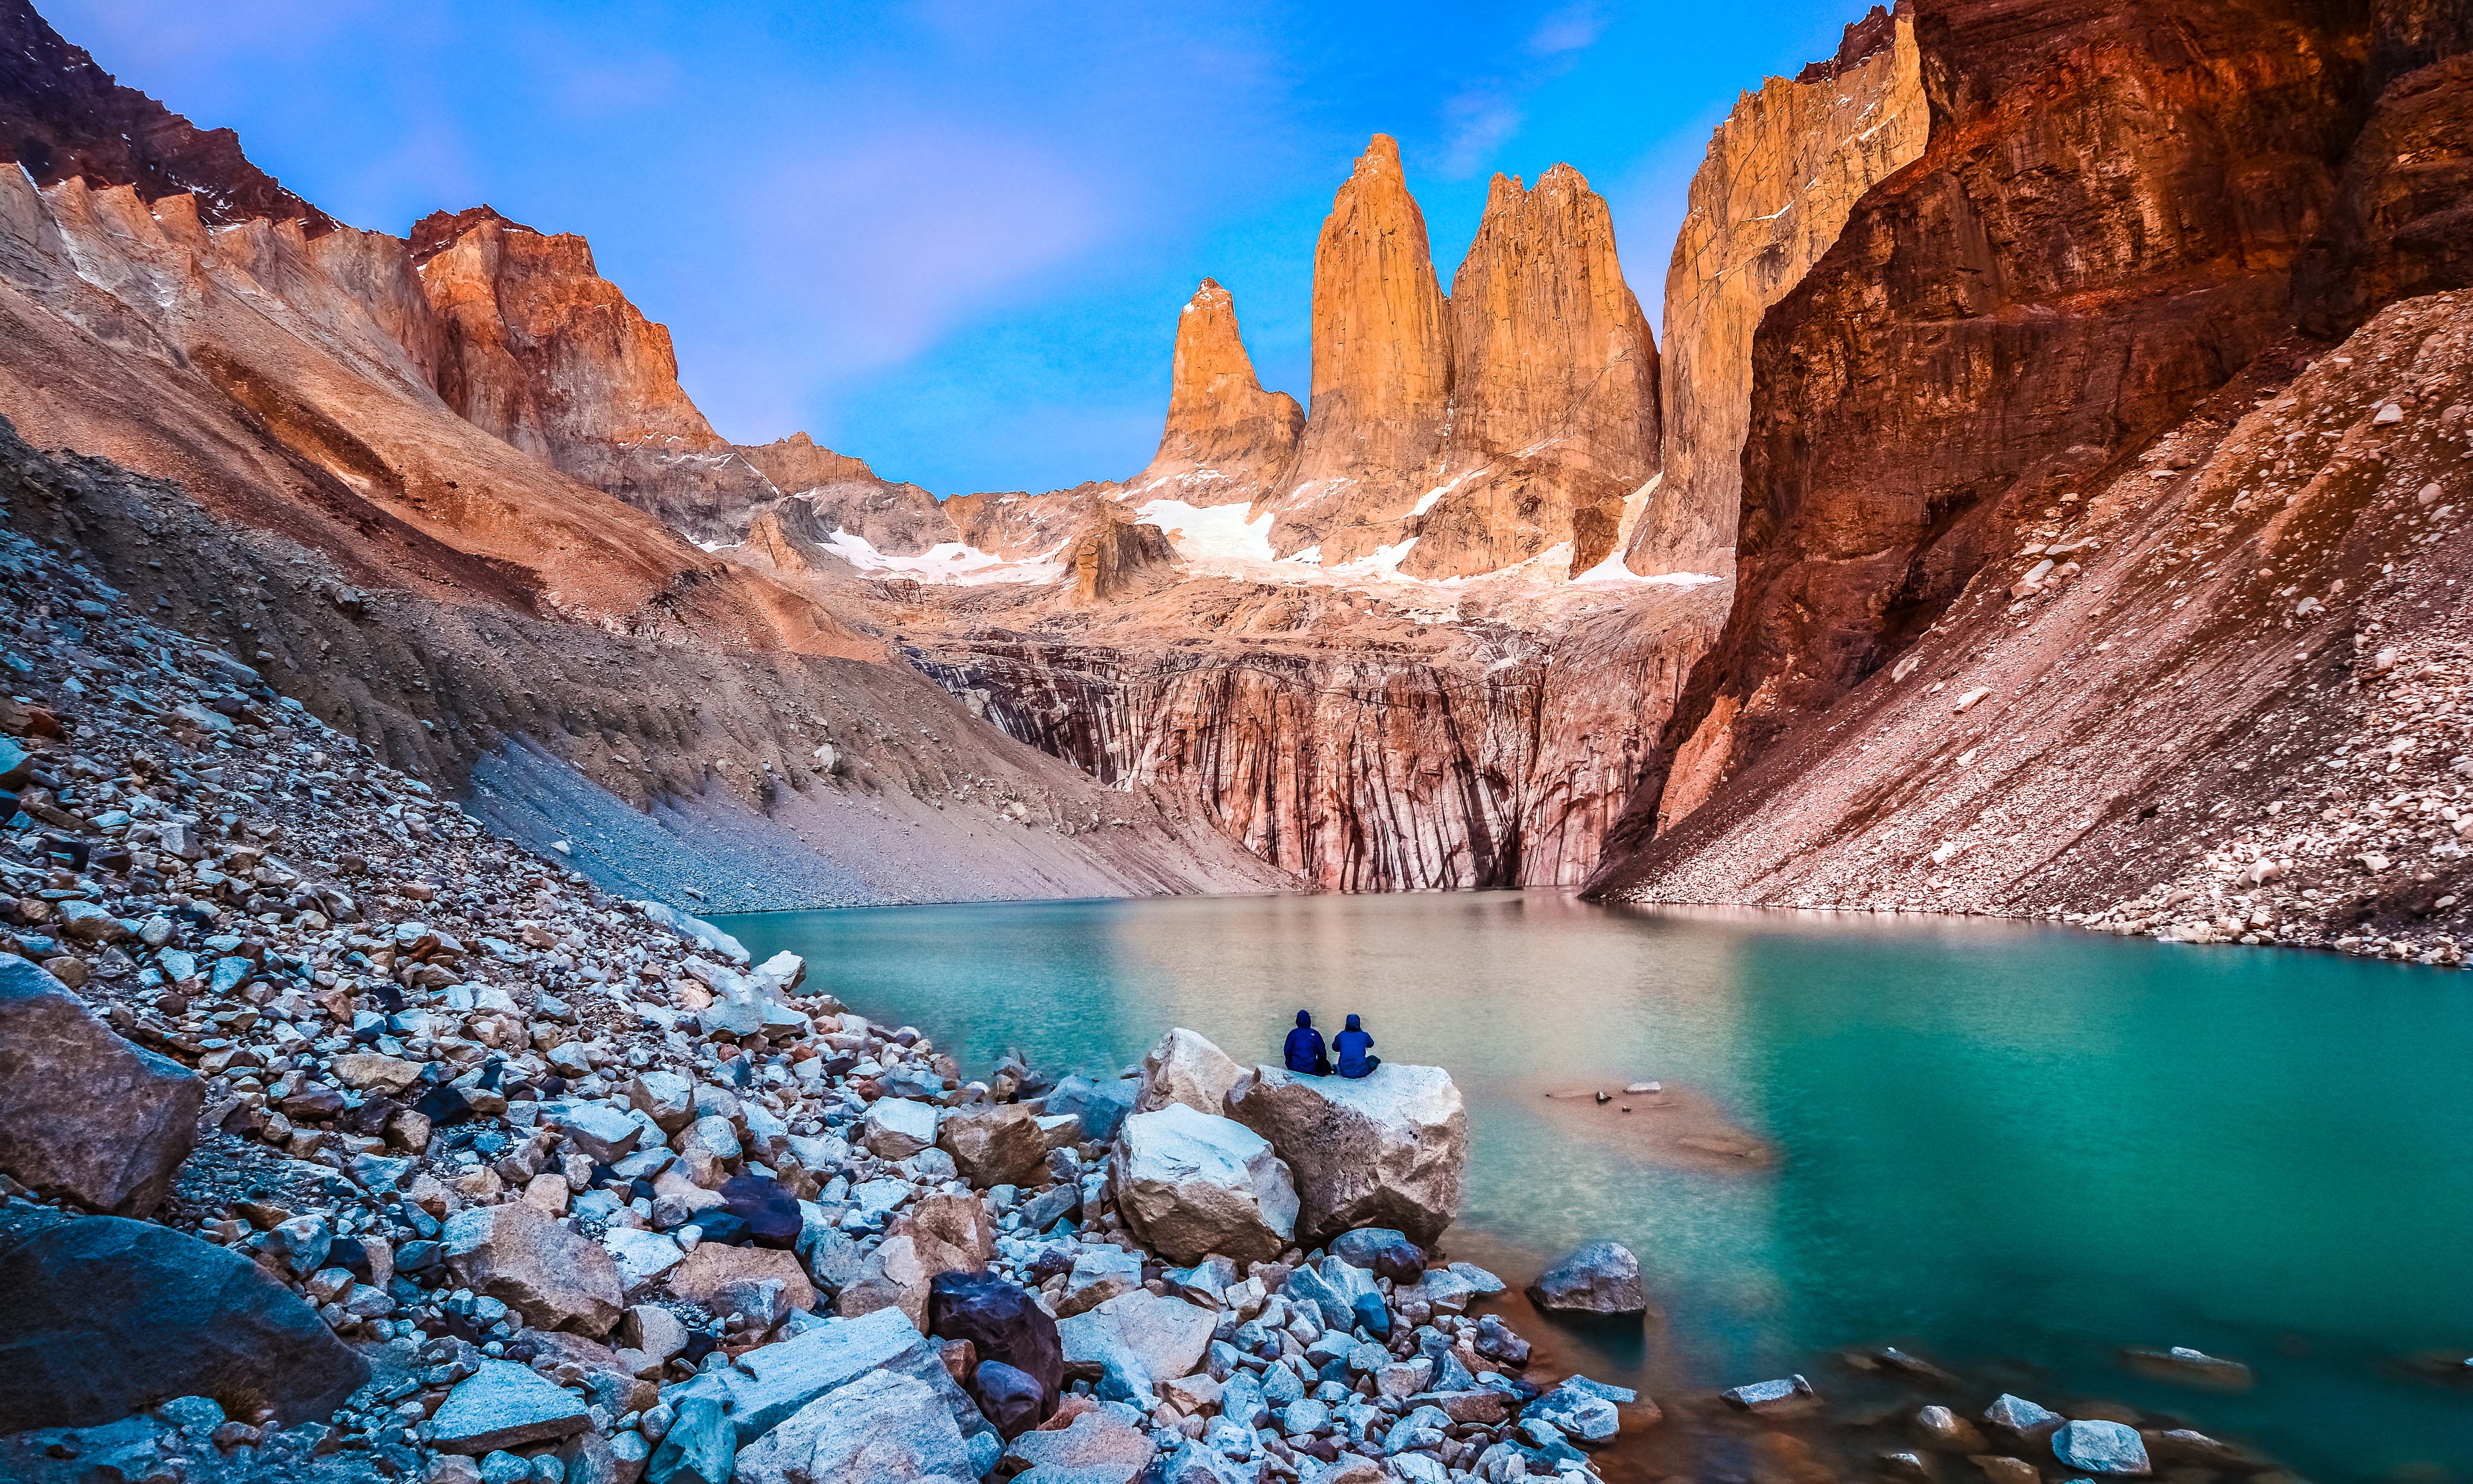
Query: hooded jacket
(1304,1051)
(1351,1045)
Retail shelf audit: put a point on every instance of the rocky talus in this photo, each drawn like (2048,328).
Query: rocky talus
(1780,177)
(2220,695)
(541,351)
(1977,346)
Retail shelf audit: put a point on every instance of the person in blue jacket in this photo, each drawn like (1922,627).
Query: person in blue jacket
(1304,1051)
(1355,1051)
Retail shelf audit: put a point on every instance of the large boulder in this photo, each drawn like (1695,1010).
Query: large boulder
(1600,1278)
(1135,1341)
(1003,1323)
(900,1127)
(522,1256)
(1389,1150)
(1189,1185)
(84,1115)
(1101,1106)
(711,1270)
(1186,1067)
(1093,1449)
(104,1317)
(768,1384)
(505,1405)
(1002,1145)
(883,1428)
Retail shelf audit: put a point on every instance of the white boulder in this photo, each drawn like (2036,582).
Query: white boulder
(1189,1185)
(1388,1150)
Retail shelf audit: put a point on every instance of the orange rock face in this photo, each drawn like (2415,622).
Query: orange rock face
(1226,437)
(544,352)
(1381,369)
(1780,176)
(1553,416)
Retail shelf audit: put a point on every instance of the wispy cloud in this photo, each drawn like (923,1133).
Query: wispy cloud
(1477,122)
(1571,29)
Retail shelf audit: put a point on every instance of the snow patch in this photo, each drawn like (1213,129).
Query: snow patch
(1210,533)
(947,561)
(1432,497)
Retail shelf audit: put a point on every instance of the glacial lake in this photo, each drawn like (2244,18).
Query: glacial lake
(2012,1149)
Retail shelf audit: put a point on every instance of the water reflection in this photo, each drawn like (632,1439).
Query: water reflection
(1998,1144)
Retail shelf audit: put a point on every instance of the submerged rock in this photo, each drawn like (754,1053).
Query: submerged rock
(1598,1278)
(1388,1150)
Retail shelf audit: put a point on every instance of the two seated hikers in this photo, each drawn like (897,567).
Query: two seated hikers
(1303,1050)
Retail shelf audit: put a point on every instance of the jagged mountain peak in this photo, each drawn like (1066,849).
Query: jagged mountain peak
(440,230)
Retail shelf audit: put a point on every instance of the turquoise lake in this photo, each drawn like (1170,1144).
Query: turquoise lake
(2013,1149)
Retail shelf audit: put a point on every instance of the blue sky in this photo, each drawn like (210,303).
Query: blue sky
(952,238)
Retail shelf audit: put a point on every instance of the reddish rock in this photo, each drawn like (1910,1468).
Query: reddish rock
(1226,437)
(1381,369)
(544,352)
(1780,175)
(2000,319)
(63,117)
(1553,418)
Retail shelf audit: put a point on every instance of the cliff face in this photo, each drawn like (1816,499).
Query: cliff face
(1998,322)
(1966,477)
(542,352)
(1554,415)
(1339,737)
(1780,176)
(61,116)
(1381,369)
(1226,438)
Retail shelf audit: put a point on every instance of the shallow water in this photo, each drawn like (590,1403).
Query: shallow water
(2015,1149)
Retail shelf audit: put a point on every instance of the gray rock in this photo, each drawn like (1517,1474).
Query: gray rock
(768,1384)
(515,1253)
(2190,1366)
(604,1134)
(1101,1106)
(1792,1394)
(883,1428)
(1388,1150)
(898,1127)
(2016,1417)
(103,1316)
(1093,1449)
(1098,1273)
(1135,1341)
(1575,1414)
(1186,1068)
(505,1405)
(1189,1183)
(1382,1251)
(699,1448)
(1598,1278)
(640,1255)
(2100,1447)
(1050,1206)
(84,1115)
(1335,1289)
